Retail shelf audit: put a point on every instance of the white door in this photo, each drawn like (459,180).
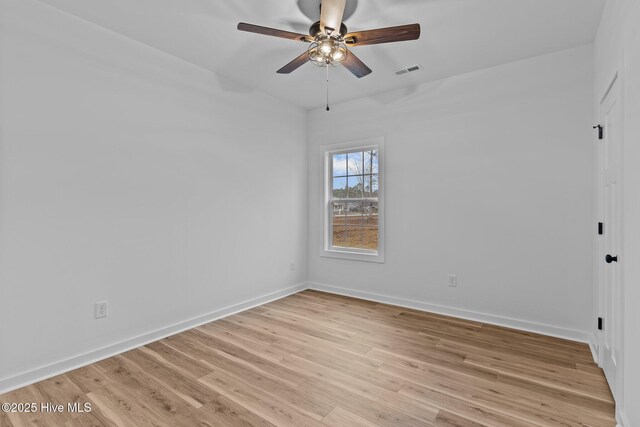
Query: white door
(610,295)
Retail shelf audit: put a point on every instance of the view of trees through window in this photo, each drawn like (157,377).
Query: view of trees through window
(354,199)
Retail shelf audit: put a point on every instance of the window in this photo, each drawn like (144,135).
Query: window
(353,195)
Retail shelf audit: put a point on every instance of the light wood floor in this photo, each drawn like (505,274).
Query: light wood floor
(316,359)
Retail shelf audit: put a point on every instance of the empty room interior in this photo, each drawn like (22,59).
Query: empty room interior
(320,213)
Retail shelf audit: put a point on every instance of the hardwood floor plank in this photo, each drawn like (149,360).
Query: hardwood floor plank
(496,402)
(4,420)
(121,409)
(365,408)
(563,379)
(342,418)
(263,350)
(161,404)
(176,359)
(469,343)
(463,408)
(87,420)
(591,369)
(237,327)
(309,405)
(533,337)
(320,369)
(265,405)
(463,349)
(290,341)
(88,378)
(185,386)
(319,359)
(207,342)
(523,403)
(319,326)
(447,419)
(225,412)
(577,399)
(366,329)
(21,395)
(432,366)
(364,388)
(311,332)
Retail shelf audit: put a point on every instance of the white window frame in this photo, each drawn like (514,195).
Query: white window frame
(352,253)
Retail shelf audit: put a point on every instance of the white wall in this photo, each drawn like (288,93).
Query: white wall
(488,176)
(617,49)
(131,176)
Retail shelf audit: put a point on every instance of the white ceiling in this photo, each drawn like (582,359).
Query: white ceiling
(458,36)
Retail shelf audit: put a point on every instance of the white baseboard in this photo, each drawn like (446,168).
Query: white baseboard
(594,348)
(38,374)
(524,325)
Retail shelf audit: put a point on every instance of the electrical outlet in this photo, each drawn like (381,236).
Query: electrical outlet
(102,309)
(293,266)
(453,280)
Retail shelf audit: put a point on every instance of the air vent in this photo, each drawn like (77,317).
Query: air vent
(409,70)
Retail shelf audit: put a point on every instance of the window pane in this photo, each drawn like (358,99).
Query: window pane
(370,186)
(370,226)
(355,163)
(339,237)
(374,186)
(339,164)
(354,214)
(339,187)
(339,209)
(355,225)
(371,161)
(355,185)
(354,237)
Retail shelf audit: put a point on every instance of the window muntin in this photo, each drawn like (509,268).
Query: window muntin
(353,200)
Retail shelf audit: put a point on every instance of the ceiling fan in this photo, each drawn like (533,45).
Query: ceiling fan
(330,40)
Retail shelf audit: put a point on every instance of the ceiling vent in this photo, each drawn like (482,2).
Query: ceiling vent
(409,70)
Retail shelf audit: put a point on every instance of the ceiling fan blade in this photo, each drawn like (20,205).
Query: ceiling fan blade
(356,66)
(331,13)
(295,64)
(274,32)
(383,35)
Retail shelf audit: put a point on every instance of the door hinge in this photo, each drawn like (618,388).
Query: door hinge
(600,323)
(600,228)
(600,131)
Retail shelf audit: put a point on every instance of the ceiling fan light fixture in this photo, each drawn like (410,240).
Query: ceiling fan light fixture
(338,55)
(326,46)
(327,51)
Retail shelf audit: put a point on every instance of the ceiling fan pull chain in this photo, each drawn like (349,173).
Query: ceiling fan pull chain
(328,87)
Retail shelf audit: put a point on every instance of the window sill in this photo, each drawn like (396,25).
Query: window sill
(353,255)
